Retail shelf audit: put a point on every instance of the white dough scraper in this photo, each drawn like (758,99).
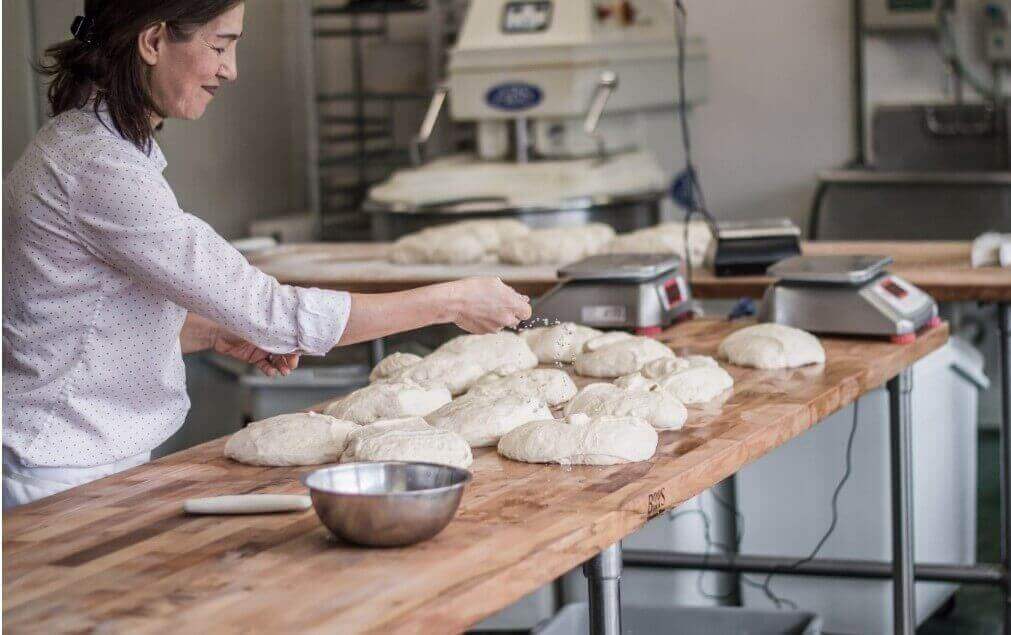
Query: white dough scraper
(247,504)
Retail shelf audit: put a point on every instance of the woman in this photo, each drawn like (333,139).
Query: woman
(107,282)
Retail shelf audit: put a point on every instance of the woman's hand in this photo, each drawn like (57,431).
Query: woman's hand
(200,334)
(269,364)
(486,305)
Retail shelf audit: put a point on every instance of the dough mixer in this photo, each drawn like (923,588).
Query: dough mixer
(556,92)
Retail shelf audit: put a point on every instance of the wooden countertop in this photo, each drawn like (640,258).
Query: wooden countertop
(941,269)
(119,555)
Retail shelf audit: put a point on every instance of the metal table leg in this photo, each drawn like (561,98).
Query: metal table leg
(1004,328)
(603,576)
(903,592)
(377,350)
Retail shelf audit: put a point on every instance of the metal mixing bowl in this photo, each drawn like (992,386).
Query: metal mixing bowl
(386,504)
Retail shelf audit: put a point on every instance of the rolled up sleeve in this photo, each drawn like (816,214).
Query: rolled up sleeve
(127,215)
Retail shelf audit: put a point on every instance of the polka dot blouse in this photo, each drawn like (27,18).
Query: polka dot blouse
(100,267)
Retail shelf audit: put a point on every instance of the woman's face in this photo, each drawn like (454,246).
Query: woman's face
(185,75)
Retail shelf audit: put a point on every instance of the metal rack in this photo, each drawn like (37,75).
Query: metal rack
(352,137)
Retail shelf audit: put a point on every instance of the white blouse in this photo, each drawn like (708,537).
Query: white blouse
(100,267)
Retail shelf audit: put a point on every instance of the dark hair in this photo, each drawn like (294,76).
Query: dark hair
(105,63)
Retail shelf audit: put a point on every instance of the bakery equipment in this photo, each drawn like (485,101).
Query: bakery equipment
(641,292)
(748,247)
(851,295)
(388,503)
(555,91)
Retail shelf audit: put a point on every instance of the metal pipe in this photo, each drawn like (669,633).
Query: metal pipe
(1004,329)
(603,577)
(522,140)
(903,592)
(987,574)
(377,351)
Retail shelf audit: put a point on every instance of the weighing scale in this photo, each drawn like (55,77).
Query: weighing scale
(639,292)
(749,247)
(850,295)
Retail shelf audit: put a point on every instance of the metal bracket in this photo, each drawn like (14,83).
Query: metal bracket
(428,123)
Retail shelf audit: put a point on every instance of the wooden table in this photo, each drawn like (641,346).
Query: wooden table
(118,554)
(941,269)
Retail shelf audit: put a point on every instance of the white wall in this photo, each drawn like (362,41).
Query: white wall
(240,161)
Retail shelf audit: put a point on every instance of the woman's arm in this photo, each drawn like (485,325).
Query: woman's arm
(200,334)
(477,305)
(197,334)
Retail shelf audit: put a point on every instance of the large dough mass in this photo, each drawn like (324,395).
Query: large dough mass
(304,438)
(426,446)
(400,424)
(387,400)
(659,408)
(621,358)
(770,346)
(558,245)
(502,353)
(553,387)
(559,343)
(483,420)
(579,440)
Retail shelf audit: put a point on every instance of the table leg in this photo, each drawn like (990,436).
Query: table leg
(1004,329)
(603,576)
(903,592)
(377,350)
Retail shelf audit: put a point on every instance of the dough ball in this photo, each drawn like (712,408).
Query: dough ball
(464,242)
(558,245)
(605,339)
(560,343)
(302,438)
(426,446)
(552,386)
(697,384)
(392,365)
(387,400)
(771,346)
(483,420)
(380,427)
(666,238)
(579,440)
(622,357)
(657,407)
(502,353)
(667,365)
(454,372)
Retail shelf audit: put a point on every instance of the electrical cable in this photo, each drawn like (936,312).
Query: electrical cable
(766,584)
(696,199)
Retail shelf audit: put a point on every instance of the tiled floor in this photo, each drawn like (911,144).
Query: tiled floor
(977,609)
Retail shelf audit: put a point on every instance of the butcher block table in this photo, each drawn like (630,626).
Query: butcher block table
(941,269)
(119,555)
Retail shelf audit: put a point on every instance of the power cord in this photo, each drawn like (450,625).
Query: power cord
(766,584)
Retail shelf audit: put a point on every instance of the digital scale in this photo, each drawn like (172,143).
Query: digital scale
(639,292)
(749,247)
(850,295)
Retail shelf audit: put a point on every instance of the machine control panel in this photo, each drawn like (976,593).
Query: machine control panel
(903,297)
(526,16)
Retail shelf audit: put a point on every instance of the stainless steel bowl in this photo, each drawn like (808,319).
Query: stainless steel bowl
(386,504)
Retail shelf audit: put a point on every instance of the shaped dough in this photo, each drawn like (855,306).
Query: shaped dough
(621,358)
(698,384)
(558,245)
(553,387)
(302,438)
(559,343)
(657,407)
(770,346)
(606,339)
(386,400)
(393,365)
(454,372)
(426,446)
(409,424)
(666,238)
(502,353)
(483,420)
(456,243)
(580,440)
